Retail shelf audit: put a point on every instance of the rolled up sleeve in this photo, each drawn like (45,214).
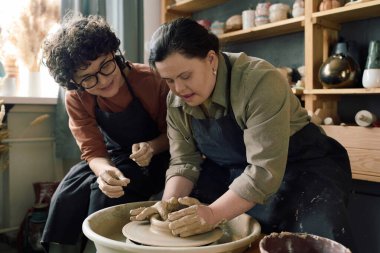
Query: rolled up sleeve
(266,138)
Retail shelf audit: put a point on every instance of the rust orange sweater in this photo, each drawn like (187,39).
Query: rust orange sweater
(80,106)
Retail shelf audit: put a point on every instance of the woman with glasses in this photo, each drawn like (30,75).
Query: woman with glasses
(117,115)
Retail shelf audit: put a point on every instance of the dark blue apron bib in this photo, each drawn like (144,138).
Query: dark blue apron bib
(313,194)
(78,195)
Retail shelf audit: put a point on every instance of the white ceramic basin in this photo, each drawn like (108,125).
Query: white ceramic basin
(104,228)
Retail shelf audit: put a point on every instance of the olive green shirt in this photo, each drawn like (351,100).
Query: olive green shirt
(265,109)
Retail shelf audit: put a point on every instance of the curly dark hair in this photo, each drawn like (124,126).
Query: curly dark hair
(78,41)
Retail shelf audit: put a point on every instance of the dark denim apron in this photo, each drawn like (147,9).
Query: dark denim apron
(313,194)
(78,195)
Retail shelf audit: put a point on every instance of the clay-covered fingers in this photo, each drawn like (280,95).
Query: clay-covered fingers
(142,153)
(162,208)
(182,213)
(109,190)
(142,213)
(187,222)
(114,178)
(188,201)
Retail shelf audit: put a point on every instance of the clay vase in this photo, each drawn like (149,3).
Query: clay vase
(286,242)
(248,17)
(278,12)
(340,70)
(298,8)
(371,74)
(262,13)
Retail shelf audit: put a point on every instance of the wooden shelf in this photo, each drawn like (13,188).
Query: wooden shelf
(189,6)
(321,30)
(297,92)
(282,27)
(356,91)
(362,144)
(353,12)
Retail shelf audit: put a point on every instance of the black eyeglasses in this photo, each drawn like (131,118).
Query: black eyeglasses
(106,69)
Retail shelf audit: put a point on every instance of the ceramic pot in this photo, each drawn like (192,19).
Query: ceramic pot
(286,242)
(340,70)
(205,23)
(278,12)
(298,8)
(371,75)
(329,4)
(262,13)
(248,17)
(233,23)
(217,27)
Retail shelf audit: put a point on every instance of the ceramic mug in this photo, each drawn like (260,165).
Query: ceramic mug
(248,17)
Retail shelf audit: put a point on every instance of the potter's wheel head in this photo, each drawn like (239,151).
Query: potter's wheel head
(141,232)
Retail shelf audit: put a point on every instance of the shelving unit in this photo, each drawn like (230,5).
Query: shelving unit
(320,31)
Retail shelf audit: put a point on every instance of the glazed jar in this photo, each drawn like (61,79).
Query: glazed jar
(371,74)
(340,70)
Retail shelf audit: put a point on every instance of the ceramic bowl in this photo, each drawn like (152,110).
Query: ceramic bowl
(104,228)
(286,242)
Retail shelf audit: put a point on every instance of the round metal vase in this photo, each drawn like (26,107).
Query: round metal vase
(340,70)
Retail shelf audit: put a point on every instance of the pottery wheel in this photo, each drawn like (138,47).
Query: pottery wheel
(140,232)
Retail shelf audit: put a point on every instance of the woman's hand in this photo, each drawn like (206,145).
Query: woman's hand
(162,207)
(111,182)
(142,153)
(193,220)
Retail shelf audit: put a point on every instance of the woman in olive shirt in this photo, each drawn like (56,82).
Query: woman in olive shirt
(241,142)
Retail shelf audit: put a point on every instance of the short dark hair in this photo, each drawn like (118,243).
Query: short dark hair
(184,36)
(78,41)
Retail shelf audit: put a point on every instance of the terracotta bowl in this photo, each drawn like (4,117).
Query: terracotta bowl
(286,242)
(104,228)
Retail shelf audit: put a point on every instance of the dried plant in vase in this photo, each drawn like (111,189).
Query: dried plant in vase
(27,32)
